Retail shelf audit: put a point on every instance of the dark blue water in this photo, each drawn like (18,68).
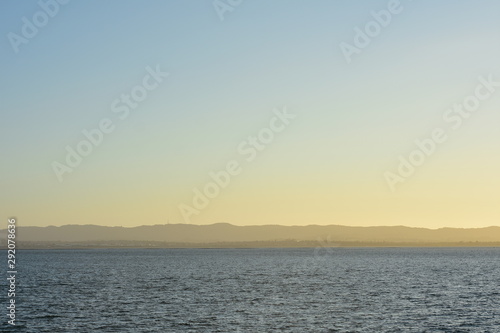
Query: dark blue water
(258,290)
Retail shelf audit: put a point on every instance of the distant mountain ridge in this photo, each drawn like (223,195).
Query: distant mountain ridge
(225,232)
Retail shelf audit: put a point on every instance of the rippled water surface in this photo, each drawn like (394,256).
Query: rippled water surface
(259,290)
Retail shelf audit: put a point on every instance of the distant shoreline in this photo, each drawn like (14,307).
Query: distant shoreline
(225,235)
(243,245)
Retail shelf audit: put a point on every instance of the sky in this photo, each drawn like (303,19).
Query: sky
(361,113)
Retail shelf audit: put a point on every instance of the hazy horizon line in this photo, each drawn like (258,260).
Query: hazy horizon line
(258,225)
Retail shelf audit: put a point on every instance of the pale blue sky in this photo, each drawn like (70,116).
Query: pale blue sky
(353,120)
